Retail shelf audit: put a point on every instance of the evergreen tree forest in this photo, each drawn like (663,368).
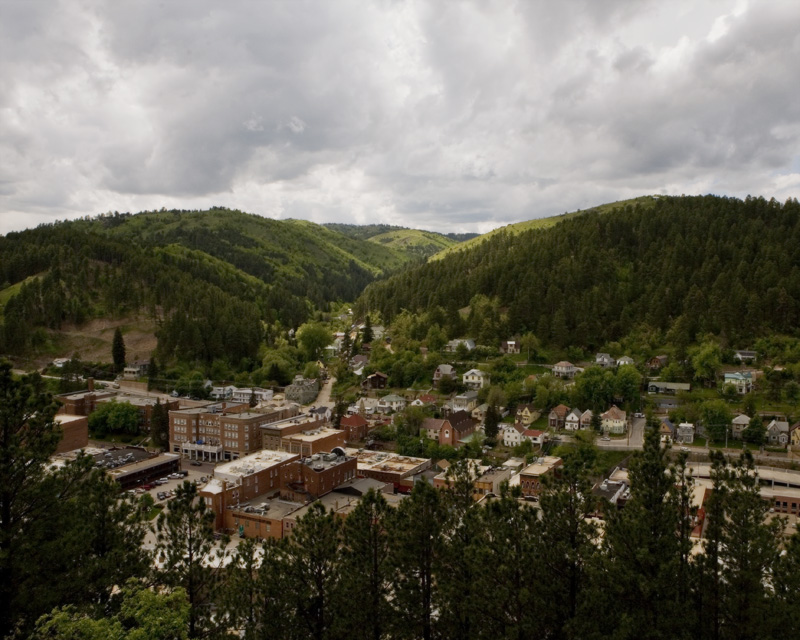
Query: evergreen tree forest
(211,280)
(684,268)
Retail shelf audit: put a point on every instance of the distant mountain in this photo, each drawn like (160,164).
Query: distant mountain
(209,281)
(674,267)
(413,243)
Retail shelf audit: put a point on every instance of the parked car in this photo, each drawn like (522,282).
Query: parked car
(147,487)
(196,463)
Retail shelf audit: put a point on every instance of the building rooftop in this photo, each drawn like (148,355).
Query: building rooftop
(385,461)
(542,465)
(235,470)
(322,461)
(313,436)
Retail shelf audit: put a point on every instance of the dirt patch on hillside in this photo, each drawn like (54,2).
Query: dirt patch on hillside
(92,341)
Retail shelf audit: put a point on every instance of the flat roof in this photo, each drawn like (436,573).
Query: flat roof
(312,436)
(386,461)
(255,462)
(63,418)
(143,464)
(542,465)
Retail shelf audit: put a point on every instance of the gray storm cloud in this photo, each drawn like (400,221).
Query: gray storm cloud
(447,116)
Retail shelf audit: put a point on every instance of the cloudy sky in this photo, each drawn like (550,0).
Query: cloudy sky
(451,116)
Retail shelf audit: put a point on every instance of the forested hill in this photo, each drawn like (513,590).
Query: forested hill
(210,280)
(684,267)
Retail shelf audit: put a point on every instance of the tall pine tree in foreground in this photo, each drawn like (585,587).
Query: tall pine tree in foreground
(118,350)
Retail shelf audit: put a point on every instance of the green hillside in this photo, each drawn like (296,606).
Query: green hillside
(411,243)
(673,268)
(545,223)
(212,281)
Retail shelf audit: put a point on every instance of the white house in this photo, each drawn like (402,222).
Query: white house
(244,395)
(624,360)
(604,360)
(392,402)
(614,420)
(564,369)
(685,433)
(738,425)
(466,401)
(222,392)
(475,379)
(778,432)
(573,420)
(741,380)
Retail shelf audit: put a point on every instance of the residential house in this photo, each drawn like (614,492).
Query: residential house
(604,360)
(511,434)
(222,392)
(794,434)
(614,420)
(666,430)
(741,380)
(658,362)
(586,419)
(660,386)
(624,360)
(376,380)
(443,371)
(509,347)
(685,433)
(745,356)
(426,399)
(248,394)
(466,401)
(738,425)
(392,402)
(778,432)
(479,412)
(357,363)
(573,420)
(557,417)
(526,414)
(515,434)
(475,379)
(134,370)
(453,345)
(564,369)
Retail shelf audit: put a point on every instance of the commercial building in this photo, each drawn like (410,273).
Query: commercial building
(137,473)
(530,478)
(84,403)
(302,391)
(221,431)
(389,467)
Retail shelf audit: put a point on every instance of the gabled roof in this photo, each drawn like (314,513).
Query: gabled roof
(522,407)
(561,411)
(353,421)
(445,369)
(532,433)
(741,419)
(432,424)
(461,421)
(427,398)
(392,397)
(474,372)
(780,425)
(614,413)
(575,412)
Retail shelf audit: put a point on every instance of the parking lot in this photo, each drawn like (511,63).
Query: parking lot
(193,474)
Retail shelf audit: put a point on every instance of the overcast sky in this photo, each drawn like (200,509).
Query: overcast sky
(450,116)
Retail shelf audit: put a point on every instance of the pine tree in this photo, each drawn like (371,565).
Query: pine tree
(366,335)
(185,545)
(415,532)
(365,569)
(118,350)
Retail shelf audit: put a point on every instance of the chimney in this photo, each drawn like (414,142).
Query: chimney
(90,383)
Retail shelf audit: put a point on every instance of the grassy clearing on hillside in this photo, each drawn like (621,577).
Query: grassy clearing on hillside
(8,292)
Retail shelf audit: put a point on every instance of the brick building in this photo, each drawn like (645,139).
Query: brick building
(220,431)
(530,478)
(273,432)
(74,432)
(311,442)
(355,427)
